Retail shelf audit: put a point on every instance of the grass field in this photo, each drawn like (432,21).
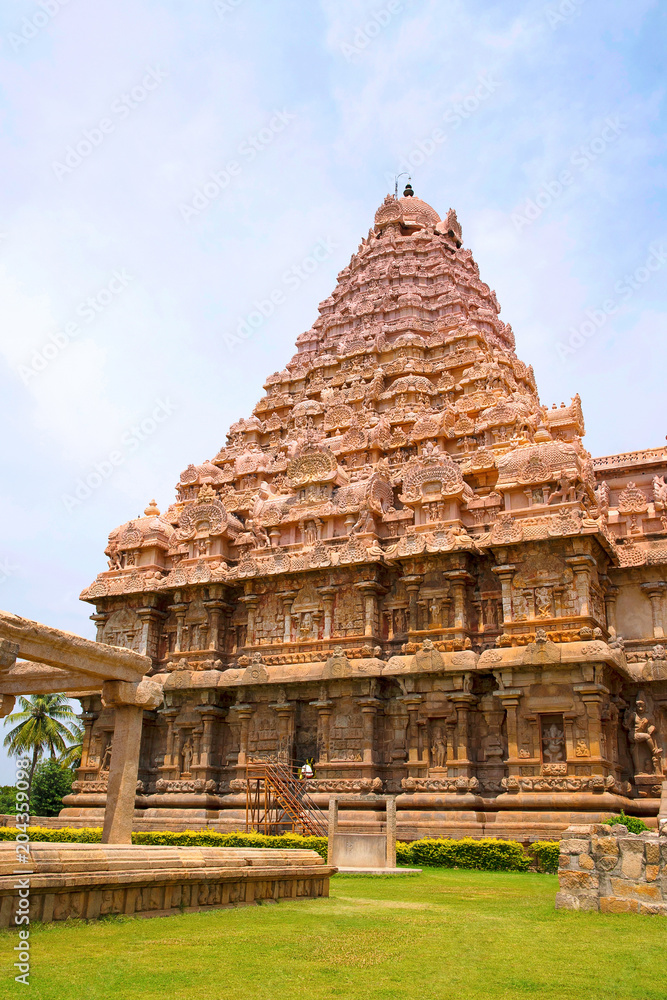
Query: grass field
(443,935)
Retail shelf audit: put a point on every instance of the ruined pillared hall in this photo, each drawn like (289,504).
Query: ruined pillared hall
(404,567)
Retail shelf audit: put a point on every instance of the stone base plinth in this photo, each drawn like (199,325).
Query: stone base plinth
(87,881)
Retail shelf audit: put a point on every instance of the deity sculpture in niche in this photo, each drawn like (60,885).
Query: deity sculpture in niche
(438,749)
(106,756)
(645,750)
(553,739)
(186,755)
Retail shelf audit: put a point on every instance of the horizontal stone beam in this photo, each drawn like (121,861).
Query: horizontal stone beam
(37,678)
(51,646)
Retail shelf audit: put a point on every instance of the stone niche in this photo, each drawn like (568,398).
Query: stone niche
(607,868)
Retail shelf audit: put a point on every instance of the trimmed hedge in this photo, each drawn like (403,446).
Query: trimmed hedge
(489,854)
(546,854)
(188,838)
(66,835)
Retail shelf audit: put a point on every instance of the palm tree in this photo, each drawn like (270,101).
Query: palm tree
(71,756)
(40,726)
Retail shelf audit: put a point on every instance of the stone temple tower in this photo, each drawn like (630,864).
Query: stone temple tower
(404,567)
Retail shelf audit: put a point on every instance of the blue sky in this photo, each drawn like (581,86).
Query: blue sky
(127,268)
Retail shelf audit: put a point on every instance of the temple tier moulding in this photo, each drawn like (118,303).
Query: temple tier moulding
(404,568)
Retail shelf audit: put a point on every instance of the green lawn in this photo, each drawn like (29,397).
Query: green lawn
(443,935)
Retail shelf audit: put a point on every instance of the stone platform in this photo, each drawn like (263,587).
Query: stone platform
(87,881)
(607,868)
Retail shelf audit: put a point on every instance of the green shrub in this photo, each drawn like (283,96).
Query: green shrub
(7,800)
(633,823)
(66,835)
(488,854)
(50,784)
(546,853)
(404,854)
(210,838)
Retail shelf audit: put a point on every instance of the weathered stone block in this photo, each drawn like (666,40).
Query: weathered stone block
(604,845)
(657,909)
(586,862)
(652,872)
(632,864)
(578,881)
(629,889)
(631,845)
(652,853)
(575,846)
(564,860)
(566,901)
(612,904)
(606,864)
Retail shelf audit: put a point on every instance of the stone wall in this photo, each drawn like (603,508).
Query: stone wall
(607,868)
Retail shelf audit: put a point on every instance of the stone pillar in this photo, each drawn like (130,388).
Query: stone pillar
(458,581)
(88,718)
(287,597)
(412,584)
(208,717)
(505,574)
(581,567)
(610,598)
(196,747)
(333,826)
(369,707)
(170,716)
(462,703)
(214,610)
(285,713)
(370,591)
(510,701)
(592,695)
(324,709)
(129,701)
(180,611)
(149,638)
(251,601)
(328,596)
(412,703)
(244,713)
(391,831)
(655,593)
(100,619)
